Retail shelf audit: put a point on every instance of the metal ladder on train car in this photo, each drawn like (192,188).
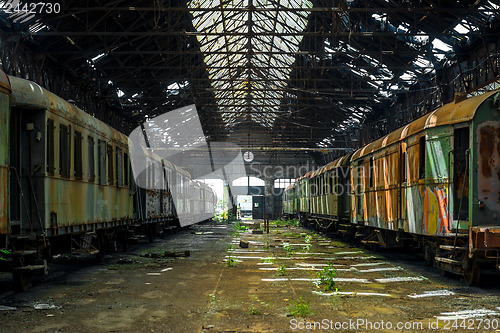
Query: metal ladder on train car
(26,263)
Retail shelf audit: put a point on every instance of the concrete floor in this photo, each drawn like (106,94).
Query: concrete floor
(202,293)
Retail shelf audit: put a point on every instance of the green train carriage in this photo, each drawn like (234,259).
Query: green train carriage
(290,201)
(330,195)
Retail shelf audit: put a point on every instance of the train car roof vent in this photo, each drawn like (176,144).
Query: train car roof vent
(460,96)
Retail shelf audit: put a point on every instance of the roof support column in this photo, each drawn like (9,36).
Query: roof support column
(269,198)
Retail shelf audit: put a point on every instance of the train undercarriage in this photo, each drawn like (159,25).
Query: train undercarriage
(29,256)
(465,253)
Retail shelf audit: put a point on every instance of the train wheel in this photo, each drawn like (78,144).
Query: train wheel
(22,280)
(472,275)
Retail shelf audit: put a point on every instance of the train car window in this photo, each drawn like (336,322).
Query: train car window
(101,146)
(77,156)
(64,157)
(91,158)
(333,180)
(126,169)
(111,177)
(119,167)
(151,172)
(421,160)
(181,184)
(50,147)
(359,189)
(371,167)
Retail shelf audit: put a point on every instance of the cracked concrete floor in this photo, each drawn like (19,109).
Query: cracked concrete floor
(202,293)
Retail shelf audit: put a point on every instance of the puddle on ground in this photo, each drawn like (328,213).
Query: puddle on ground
(466,314)
(433,293)
(401,279)
(356,280)
(353,293)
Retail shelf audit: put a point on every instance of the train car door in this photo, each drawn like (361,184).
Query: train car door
(27,163)
(402,186)
(461,176)
(258,207)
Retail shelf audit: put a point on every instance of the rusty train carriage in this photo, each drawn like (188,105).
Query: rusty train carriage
(70,166)
(66,183)
(434,183)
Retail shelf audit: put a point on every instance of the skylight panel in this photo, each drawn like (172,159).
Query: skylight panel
(461,29)
(442,46)
(265,56)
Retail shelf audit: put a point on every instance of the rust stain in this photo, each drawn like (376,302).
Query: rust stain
(486,146)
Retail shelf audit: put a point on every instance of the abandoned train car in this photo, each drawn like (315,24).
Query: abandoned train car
(434,183)
(66,183)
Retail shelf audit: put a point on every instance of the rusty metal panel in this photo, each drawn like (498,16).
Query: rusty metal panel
(4,83)
(484,237)
(448,114)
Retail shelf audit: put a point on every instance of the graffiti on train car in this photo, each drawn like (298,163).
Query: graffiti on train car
(436,211)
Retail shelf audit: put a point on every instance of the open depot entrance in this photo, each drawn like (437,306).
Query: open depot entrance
(249,193)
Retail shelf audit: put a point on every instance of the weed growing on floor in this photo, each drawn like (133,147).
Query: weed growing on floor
(300,308)
(241,228)
(256,306)
(231,262)
(288,248)
(281,222)
(282,271)
(326,278)
(270,260)
(252,310)
(308,245)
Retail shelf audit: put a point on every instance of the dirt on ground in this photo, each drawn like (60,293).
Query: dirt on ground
(290,280)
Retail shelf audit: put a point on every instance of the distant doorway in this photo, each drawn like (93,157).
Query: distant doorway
(245,206)
(257,207)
